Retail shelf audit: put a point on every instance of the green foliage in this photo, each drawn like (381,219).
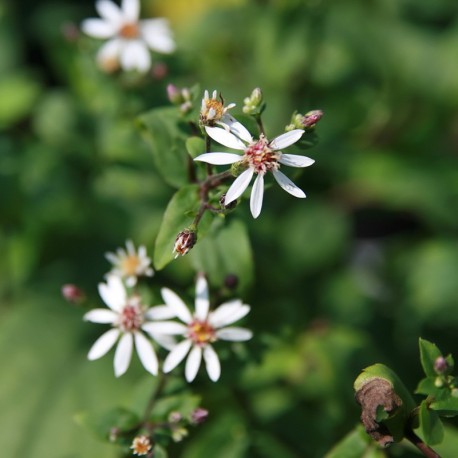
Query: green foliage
(431,427)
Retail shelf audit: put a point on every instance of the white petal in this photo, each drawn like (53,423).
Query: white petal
(101,316)
(287,139)
(157,35)
(135,56)
(234,334)
(98,28)
(123,354)
(159,312)
(228,313)
(202,303)
(225,138)
(257,194)
(166,341)
(110,51)
(165,327)
(176,355)
(293,160)
(238,186)
(131,10)
(193,363)
(103,344)
(176,304)
(219,158)
(113,293)
(146,353)
(109,11)
(237,128)
(131,281)
(212,363)
(287,184)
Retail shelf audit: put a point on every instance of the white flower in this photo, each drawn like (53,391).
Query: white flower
(130,264)
(128,318)
(259,157)
(214,112)
(128,37)
(200,330)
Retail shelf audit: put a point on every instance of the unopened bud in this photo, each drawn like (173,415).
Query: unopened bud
(185,240)
(73,294)
(174,94)
(231,281)
(311,118)
(179,433)
(159,70)
(253,104)
(455,392)
(230,205)
(175,417)
(438,382)
(114,433)
(199,416)
(141,445)
(440,365)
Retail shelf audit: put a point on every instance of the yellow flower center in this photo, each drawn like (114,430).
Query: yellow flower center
(129,30)
(201,332)
(130,264)
(213,110)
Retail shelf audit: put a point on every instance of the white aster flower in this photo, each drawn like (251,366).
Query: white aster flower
(200,330)
(128,37)
(130,264)
(213,112)
(259,156)
(128,318)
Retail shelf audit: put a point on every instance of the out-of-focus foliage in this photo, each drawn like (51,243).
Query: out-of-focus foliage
(351,276)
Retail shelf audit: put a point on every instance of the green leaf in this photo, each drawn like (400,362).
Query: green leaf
(427,386)
(431,427)
(160,452)
(445,407)
(195,146)
(226,251)
(168,144)
(176,218)
(428,355)
(356,444)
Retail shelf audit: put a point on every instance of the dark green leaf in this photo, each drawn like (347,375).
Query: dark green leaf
(431,427)
(446,407)
(427,386)
(428,355)
(195,146)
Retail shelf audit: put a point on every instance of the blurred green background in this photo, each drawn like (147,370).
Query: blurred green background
(351,276)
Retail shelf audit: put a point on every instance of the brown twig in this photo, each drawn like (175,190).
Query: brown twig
(425,449)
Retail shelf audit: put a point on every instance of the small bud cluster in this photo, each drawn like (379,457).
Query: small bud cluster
(307,121)
(185,240)
(73,294)
(180,97)
(253,105)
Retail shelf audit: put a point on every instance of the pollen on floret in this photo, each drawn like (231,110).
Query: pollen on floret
(141,445)
(130,264)
(201,332)
(129,30)
(131,316)
(261,157)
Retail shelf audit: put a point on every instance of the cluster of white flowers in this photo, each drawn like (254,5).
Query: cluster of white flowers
(134,324)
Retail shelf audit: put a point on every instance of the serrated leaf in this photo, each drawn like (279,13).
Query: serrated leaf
(428,355)
(161,128)
(431,427)
(195,146)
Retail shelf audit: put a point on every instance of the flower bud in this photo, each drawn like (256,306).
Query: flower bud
(253,104)
(141,445)
(438,382)
(231,281)
(311,118)
(185,240)
(179,433)
(159,71)
(440,365)
(175,417)
(455,392)
(199,416)
(174,94)
(229,206)
(73,294)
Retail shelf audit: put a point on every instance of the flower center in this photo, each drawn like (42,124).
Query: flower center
(130,264)
(129,30)
(212,110)
(201,332)
(261,157)
(131,318)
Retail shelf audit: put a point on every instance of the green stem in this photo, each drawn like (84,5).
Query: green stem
(158,389)
(260,124)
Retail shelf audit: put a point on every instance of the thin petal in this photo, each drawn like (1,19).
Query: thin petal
(219,158)
(237,128)
(110,51)
(135,56)
(160,312)
(103,344)
(166,341)
(131,10)
(123,354)
(98,28)
(165,327)
(193,363)
(157,35)
(101,316)
(287,139)
(293,160)
(234,334)
(202,303)
(176,304)
(146,353)
(238,186)
(212,363)
(113,293)
(288,185)
(109,11)
(225,138)
(228,313)
(176,355)
(257,194)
